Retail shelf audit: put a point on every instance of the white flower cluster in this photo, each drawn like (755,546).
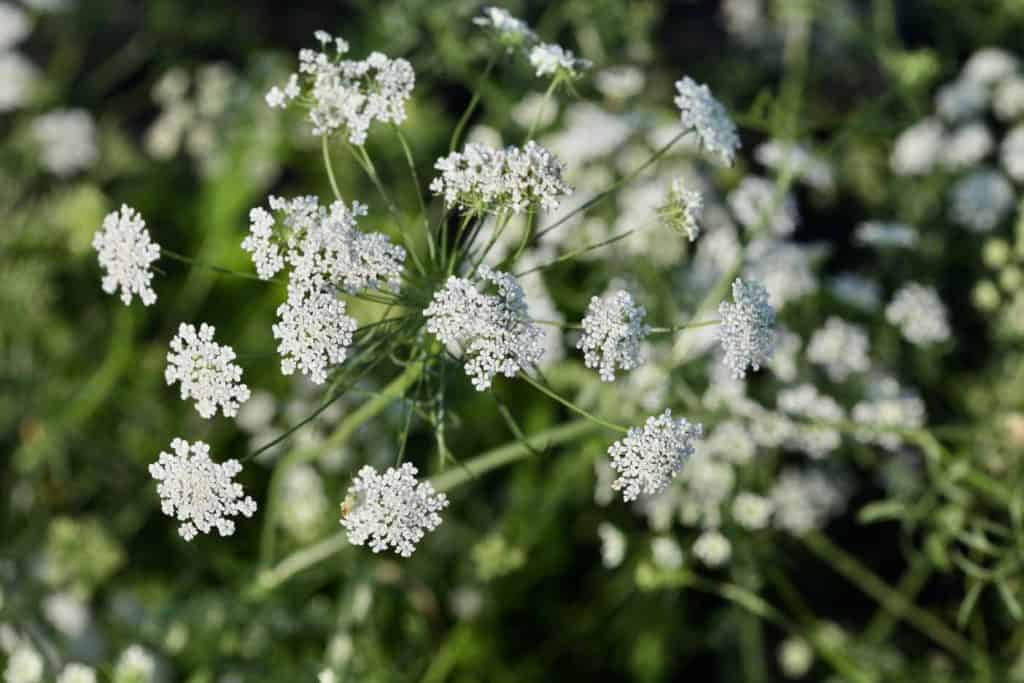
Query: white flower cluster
(345,94)
(17,77)
(125,251)
(647,459)
(199,492)
(980,200)
(819,437)
(747,330)
(67,141)
(757,207)
(885,234)
(493,331)
(967,146)
(206,371)
(613,331)
(24,665)
(391,510)
(682,209)
(841,348)
(554,60)
(513,179)
(791,157)
(511,32)
(313,331)
(706,116)
(917,149)
(712,548)
(804,500)
(77,673)
(920,314)
(888,406)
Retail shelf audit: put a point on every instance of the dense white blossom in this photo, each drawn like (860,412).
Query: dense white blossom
(613,331)
(511,32)
(920,314)
(199,492)
(17,78)
(24,665)
(886,234)
(967,146)
(313,331)
(549,59)
(322,245)
(77,673)
(682,209)
(981,200)
(917,149)
(648,458)
(205,371)
(706,116)
(712,548)
(794,158)
(347,95)
(67,141)
(841,348)
(391,510)
(1012,153)
(759,207)
(15,25)
(511,179)
(747,330)
(493,331)
(804,500)
(125,252)
(961,99)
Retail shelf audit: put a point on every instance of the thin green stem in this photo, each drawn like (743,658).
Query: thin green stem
(419,192)
(577,252)
(685,326)
(572,406)
(209,266)
(557,323)
(540,109)
(330,167)
(471,107)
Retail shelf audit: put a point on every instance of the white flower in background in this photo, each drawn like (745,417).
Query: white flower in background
(77,673)
(613,545)
(712,548)
(125,251)
(206,371)
(886,234)
(493,331)
(796,159)
(981,200)
(888,405)
(700,111)
(730,441)
(588,132)
(1012,153)
(758,207)
(18,77)
(787,351)
(795,657)
(989,65)
(920,314)
(961,99)
(804,500)
(917,149)
(199,492)
(666,553)
(967,146)
(751,511)
(511,32)
(347,95)
(841,348)
(391,510)
(15,25)
(786,269)
(747,330)
(613,331)
(314,332)
(532,107)
(67,612)
(135,665)
(620,82)
(805,401)
(1008,98)
(681,210)
(549,59)
(856,290)
(67,139)
(648,458)
(25,665)
(511,179)
(304,504)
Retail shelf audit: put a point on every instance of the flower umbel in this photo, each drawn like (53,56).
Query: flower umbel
(125,251)
(700,111)
(648,458)
(613,330)
(391,510)
(681,210)
(747,331)
(199,492)
(313,332)
(206,371)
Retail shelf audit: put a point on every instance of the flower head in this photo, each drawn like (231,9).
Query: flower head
(206,371)
(512,179)
(981,200)
(648,458)
(15,25)
(554,60)
(681,210)
(125,252)
(841,348)
(613,331)
(917,149)
(700,111)
(493,331)
(920,314)
(391,510)
(77,673)
(347,95)
(24,665)
(313,331)
(747,330)
(756,207)
(67,141)
(199,492)
(17,77)
(511,32)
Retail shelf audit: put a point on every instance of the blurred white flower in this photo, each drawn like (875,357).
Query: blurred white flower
(841,348)
(751,511)
(981,200)
(989,65)
(613,545)
(67,141)
(666,553)
(804,500)
(1012,153)
(920,314)
(795,657)
(77,673)
(549,59)
(884,234)
(760,208)
(15,25)
(712,548)
(967,146)
(961,99)
(794,158)
(25,665)
(18,77)
(511,32)
(917,149)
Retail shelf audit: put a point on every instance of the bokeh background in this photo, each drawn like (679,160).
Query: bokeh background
(914,577)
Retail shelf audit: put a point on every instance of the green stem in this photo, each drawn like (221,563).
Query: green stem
(578,252)
(540,109)
(685,326)
(471,107)
(419,191)
(572,406)
(330,167)
(910,585)
(209,266)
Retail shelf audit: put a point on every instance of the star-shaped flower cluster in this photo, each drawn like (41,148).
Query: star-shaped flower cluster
(747,330)
(613,331)
(648,458)
(206,371)
(125,252)
(313,331)
(706,116)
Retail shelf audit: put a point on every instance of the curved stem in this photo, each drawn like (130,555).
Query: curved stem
(572,406)
(209,266)
(330,167)
(471,107)
(577,252)
(685,326)
(419,191)
(540,109)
